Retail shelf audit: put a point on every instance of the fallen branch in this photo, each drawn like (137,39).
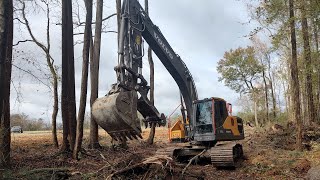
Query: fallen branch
(151,160)
(87,154)
(104,158)
(191,160)
(54,170)
(199,175)
(124,170)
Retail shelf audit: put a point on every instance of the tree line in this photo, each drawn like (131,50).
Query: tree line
(279,73)
(16,12)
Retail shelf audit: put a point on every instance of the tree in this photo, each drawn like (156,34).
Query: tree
(151,65)
(317,59)
(239,70)
(94,73)
(118,9)
(84,80)
(294,77)
(68,104)
(262,54)
(50,63)
(308,63)
(6,39)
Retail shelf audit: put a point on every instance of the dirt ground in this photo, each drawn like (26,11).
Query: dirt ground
(268,155)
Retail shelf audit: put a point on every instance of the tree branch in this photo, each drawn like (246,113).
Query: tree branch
(83,23)
(29,72)
(19,20)
(27,40)
(104,19)
(75,34)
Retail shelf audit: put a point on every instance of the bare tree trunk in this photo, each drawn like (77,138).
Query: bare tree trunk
(151,65)
(295,79)
(316,41)
(304,104)
(84,81)
(118,9)
(94,74)
(6,38)
(55,111)
(255,108)
(49,59)
(266,94)
(274,103)
(308,63)
(68,104)
(54,83)
(255,113)
(285,97)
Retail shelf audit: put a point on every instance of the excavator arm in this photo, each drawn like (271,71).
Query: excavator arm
(117,111)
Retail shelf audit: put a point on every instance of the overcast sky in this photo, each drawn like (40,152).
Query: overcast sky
(199,31)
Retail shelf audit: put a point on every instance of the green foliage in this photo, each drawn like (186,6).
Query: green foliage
(7,174)
(282,118)
(239,69)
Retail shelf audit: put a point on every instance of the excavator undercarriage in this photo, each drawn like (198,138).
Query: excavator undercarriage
(227,154)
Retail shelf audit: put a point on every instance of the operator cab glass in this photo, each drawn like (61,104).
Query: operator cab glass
(204,117)
(209,117)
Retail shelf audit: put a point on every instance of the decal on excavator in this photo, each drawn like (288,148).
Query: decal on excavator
(164,47)
(232,124)
(138,40)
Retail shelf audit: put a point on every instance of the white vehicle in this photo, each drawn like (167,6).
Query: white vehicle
(17,129)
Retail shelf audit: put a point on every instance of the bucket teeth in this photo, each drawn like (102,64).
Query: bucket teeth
(125,135)
(129,135)
(119,137)
(113,137)
(135,137)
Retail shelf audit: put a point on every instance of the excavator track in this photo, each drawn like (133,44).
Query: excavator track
(221,155)
(226,155)
(168,151)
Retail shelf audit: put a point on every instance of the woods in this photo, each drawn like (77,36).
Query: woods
(254,89)
(286,62)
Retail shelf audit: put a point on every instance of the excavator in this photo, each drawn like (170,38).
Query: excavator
(207,123)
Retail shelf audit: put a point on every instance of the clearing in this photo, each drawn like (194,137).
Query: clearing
(268,155)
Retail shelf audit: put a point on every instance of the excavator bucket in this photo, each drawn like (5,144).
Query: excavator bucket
(117,114)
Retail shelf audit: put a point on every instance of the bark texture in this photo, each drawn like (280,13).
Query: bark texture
(316,40)
(151,65)
(308,65)
(68,104)
(84,80)
(294,78)
(94,73)
(6,38)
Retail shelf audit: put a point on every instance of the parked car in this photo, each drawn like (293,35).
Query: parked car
(17,129)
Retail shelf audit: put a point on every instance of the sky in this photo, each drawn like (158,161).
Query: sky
(199,31)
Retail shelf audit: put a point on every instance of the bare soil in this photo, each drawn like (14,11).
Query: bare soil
(268,155)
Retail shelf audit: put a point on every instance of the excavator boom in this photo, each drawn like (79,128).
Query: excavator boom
(116,112)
